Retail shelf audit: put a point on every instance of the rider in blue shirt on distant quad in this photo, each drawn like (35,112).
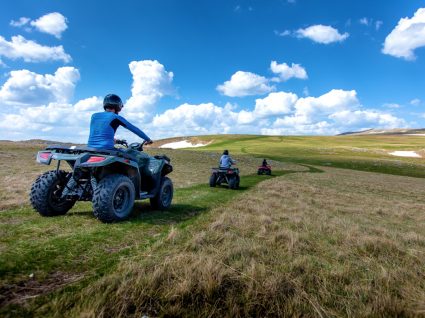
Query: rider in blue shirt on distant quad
(103,125)
(225,160)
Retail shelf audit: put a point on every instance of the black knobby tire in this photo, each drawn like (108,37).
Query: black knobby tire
(233,181)
(213,180)
(46,191)
(113,198)
(268,172)
(238,179)
(162,200)
(259,172)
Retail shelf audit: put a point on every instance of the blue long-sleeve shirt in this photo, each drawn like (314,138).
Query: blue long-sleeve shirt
(103,127)
(226,161)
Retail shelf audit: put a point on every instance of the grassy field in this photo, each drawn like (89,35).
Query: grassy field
(312,240)
(366,153)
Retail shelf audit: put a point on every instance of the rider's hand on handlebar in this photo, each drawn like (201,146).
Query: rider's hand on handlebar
(148,142)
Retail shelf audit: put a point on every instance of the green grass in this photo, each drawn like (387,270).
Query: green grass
(309,241)
(366,153)
(302,244)
(77,243)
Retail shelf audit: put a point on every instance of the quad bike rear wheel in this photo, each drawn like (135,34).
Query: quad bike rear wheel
(234,182)
(162,200)
(46,191)
(113,198)
(213,180)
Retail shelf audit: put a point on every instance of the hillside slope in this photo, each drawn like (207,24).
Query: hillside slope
(366,153)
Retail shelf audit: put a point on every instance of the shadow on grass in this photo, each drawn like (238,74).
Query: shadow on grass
(177,213)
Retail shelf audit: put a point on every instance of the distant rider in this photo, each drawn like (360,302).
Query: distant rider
(103,125)
(225,160)
(265,164)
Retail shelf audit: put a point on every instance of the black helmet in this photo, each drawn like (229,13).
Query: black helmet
(226,152)
(112,101)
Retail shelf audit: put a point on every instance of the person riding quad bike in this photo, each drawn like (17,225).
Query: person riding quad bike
(226,161)
(112,178)
(265,168)
(225,173)
(103,125)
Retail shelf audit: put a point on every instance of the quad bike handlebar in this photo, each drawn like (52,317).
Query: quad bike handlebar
(134,145)
(121,142)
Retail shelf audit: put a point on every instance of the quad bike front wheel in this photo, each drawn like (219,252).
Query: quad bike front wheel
(46,192)
(162,200)
(113,198)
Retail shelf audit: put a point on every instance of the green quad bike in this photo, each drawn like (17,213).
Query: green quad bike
(111,179)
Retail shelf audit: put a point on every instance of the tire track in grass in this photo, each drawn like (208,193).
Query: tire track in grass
(192,201)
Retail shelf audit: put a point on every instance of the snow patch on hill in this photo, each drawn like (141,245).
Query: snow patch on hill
(405,154)
(181,144)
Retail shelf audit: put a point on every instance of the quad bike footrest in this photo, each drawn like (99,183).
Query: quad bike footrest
(146,195)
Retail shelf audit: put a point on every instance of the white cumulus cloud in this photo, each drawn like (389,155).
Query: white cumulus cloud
(52,23)
(46,110)
(323,34)
(408,35)
(188,119)
(334,112)
(91,104)
(30,51)
(244,84)
(367,118)
(286,72)
(275,104)
(150,83)
(24,88)
(53,121)
(21,22)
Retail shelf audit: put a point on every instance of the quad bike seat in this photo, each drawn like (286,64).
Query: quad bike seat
(83,149)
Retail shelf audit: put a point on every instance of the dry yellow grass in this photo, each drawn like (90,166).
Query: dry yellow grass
(18,169)
(338,243)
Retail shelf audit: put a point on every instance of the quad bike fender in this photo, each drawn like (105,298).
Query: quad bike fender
(89,160)
(103,165)
(45,157)
(157,168)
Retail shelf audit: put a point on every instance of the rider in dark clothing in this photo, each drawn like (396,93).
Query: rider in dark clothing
(265,163)
(103,125)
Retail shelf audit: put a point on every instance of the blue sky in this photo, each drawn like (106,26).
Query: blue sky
(205,67)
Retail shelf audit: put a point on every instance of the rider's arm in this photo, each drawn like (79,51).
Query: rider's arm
(126,124)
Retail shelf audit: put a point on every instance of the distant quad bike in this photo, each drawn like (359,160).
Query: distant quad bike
(225,175)
(111,179)
(264,170)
